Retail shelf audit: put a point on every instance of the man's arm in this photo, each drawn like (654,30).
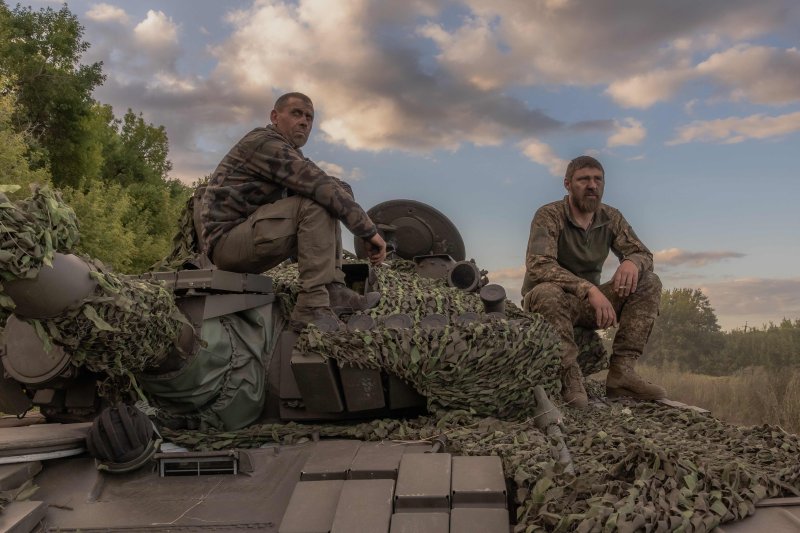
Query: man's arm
(277,161)
(633,254)
(541,259)
(627,246)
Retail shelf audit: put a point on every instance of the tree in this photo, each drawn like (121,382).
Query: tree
(687,332)
(40,55)
(14,167)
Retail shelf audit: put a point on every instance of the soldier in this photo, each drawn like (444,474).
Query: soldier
(568,243)
(266,202)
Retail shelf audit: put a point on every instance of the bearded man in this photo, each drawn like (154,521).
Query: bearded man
(568,244)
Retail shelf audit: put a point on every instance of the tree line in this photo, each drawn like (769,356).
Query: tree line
(113,171)
(687,335)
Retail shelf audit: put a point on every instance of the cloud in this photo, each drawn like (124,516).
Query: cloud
(510,279)
(759,74)
(541,153)
(775,298)
(376,94)
(676,257)
(588,43)
(107,13)
(337,170)
(157,35)
(644,90)
(628,133)
(737,129)
(409,76)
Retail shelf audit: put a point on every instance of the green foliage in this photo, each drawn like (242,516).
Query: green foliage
(40,55)
(101,210)
(686,335)
(139,154)
(14,167)
(686,332)
(114,172)
(772,345)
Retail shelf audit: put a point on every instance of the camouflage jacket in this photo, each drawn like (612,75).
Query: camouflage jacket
(562,252)
(261,168)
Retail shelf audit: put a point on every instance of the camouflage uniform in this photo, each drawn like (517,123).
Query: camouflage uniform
(564,262)
(266,202)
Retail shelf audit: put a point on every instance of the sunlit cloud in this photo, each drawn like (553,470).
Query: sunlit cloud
(542,153)
(157,33)
(338,171)
(737,129)
(758,74)
(107,13)
(628,132)
(677,257)
(510,279)
(643,90)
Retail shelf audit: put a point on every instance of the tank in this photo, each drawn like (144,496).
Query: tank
(181,400)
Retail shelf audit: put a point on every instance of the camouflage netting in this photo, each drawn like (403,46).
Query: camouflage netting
(402,291)
(125,326)
(185,244)
(640,467)
(31,232)
(488,368)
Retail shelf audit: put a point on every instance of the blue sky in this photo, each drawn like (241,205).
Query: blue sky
(474,107)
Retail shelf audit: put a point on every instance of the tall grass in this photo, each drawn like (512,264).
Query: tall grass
(752,396)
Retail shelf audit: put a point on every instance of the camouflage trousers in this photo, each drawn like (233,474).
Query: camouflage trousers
(635,314)
(291,227)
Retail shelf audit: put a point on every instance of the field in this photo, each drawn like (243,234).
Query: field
(752,396)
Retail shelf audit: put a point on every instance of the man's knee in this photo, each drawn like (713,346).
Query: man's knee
(649,286)
(546,298)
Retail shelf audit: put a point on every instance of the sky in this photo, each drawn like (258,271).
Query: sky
(476,107)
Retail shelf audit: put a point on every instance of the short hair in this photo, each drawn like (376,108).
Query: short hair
(283,99)
(582,161)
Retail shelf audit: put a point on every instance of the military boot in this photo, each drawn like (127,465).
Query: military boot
(347,299)
(622,380)
(322,317)
(572,390)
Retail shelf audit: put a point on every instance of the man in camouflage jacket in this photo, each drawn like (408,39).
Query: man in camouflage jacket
(266,202)
(568,244)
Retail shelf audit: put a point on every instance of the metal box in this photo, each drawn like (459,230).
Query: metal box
(478,520)
(312,507)
(423,483)
(364,505)
(331,460)
(420,523)
(316,379)
(376,461)
(478,482)
(362,388)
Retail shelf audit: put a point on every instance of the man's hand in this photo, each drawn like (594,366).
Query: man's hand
(604,311)
(376,249)
(626,278)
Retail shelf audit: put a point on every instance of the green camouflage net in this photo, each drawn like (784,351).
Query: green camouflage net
(487,368)
(403,291)
(185,244)
(31,232)
(639,467)
(126,326)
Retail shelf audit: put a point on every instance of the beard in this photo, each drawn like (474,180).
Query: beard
(587,204)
